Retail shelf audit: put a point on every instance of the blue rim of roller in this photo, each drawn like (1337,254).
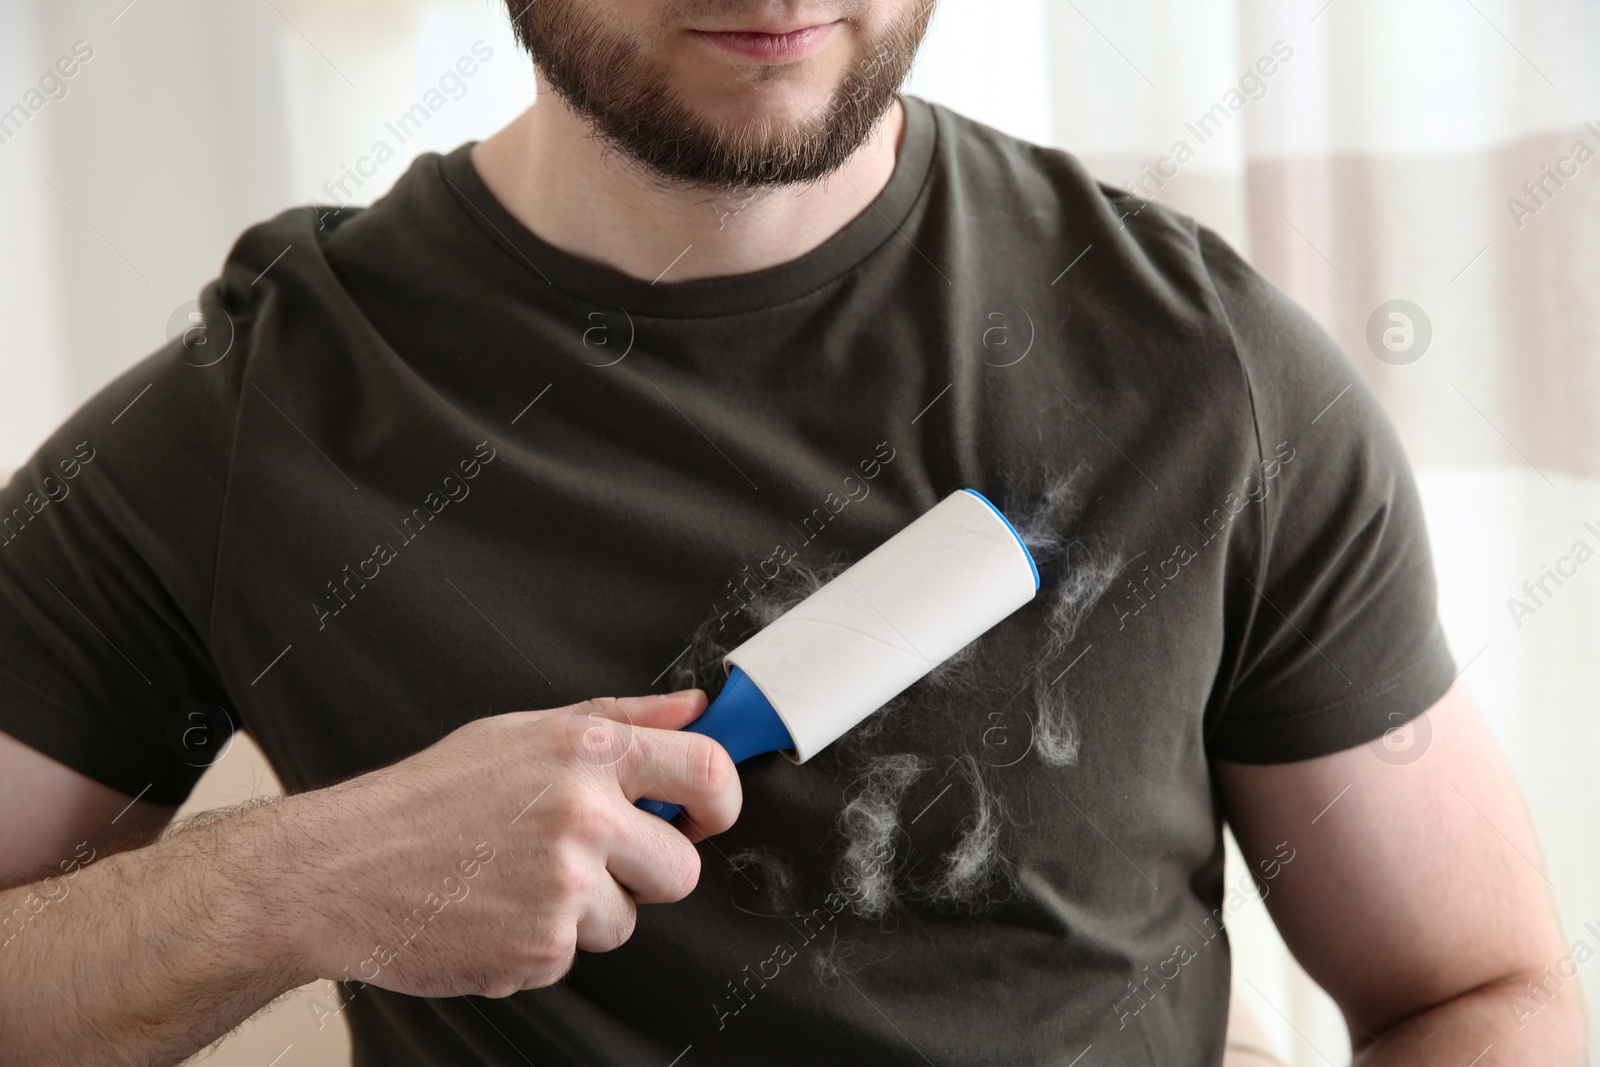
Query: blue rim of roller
(1025,553)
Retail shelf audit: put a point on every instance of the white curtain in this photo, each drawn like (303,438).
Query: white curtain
(1378,161)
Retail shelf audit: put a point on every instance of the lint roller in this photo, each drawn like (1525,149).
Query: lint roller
(811,675)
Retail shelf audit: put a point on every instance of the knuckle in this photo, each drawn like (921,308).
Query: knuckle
(593,821)
(569,875)
(502,988)
(601,741)
(706,764)
(552,975)
(560,963)
(562,808)
(586,818)
(604,707)
(579,813)
(599,732)
(493,982)
(551,949)
(595,739)
(538,724)
(543,737)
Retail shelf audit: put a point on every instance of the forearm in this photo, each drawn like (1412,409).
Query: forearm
(154,953)
(1519,1024)
(149,955)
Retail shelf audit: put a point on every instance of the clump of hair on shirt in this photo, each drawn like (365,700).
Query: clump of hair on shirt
(972,874)
(954,781)
(1073,578)
(770,873)
(870,824)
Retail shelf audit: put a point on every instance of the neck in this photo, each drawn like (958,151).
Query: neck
(578,194)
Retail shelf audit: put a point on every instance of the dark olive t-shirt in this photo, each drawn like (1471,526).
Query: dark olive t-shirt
(420,467)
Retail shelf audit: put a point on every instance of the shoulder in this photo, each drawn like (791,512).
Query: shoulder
(1164,304)
(1145,266)
(1051,192)
(312,250)
(146,460)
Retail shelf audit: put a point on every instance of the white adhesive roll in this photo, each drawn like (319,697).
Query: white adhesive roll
(897,613)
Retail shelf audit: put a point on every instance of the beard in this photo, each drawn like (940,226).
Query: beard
(608,79)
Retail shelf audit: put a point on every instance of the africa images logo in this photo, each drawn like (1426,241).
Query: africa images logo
(1399,332)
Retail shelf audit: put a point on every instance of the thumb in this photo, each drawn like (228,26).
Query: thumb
(655,711)
(605,745)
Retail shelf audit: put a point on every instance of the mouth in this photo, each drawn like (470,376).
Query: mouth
(770,45)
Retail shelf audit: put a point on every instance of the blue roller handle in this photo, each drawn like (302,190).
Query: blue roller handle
(742,721)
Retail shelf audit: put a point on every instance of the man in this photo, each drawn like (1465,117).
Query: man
(722,312)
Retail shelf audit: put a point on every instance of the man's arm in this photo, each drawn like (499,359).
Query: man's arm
(97,929)
(523,825)
(145,955)
(1415,897)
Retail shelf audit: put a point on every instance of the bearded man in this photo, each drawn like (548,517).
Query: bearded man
(571,411)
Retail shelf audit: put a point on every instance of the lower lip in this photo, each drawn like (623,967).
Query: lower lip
(772,47)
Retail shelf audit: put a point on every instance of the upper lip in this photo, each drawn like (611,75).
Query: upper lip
(775,31)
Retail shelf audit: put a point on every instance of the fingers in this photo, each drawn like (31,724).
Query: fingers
(608,916)
(651,859)
(686,769)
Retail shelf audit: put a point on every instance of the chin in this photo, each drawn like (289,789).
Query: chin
(782,110)
(753,93)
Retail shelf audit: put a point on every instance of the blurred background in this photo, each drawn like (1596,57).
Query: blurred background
(1424,178)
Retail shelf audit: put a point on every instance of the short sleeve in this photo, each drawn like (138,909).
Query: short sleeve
(1333,635)
(108,540)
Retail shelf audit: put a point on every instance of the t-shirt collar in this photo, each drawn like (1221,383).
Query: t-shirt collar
(703,298)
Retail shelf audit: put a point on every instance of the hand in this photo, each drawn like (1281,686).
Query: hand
(483,863)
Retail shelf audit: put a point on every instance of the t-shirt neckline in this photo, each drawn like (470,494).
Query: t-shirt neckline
(709,297)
